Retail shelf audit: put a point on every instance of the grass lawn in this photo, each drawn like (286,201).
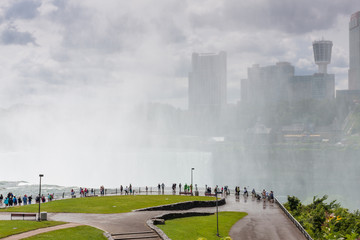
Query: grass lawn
(201,227)
(78,233)
(11,227)
(108,204)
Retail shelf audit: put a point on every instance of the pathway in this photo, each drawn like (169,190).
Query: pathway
(264,220)
(41,230)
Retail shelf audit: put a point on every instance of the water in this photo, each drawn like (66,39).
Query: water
(20,188)
(140,167)
(304,173)
(295,171)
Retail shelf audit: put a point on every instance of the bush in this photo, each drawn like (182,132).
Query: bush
(325,221)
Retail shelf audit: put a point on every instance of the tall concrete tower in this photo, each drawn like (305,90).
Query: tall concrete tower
(354,50)
(207,81)
(322,54)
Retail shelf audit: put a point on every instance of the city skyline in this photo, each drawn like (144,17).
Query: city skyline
(53,51)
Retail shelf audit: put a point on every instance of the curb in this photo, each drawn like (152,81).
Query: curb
(108,235)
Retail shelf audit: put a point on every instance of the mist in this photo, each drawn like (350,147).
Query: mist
(97,93)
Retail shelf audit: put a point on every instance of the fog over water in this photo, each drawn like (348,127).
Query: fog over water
(96,93)
(90,144)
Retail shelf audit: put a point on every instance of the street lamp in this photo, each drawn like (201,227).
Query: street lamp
(40,175)
(192,169)
(217,213)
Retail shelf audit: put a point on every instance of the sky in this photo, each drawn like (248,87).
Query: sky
(54,48)
(71,71)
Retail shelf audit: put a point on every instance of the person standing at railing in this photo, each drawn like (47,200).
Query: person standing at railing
(25,199)
(246,192)
(271,196)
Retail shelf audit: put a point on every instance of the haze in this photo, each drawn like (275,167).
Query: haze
(96,92)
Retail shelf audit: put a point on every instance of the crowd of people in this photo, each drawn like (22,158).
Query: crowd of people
(11,200)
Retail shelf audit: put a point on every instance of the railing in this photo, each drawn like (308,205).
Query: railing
(297,224)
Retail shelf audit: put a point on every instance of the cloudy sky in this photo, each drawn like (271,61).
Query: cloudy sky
(71,70)
(53,49)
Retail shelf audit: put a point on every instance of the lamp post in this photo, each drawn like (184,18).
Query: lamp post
(40,175)
(192,169)
(217,214)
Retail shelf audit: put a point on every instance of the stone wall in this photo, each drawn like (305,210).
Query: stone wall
(185,205)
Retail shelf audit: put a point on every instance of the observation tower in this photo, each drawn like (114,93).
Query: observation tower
(322,54)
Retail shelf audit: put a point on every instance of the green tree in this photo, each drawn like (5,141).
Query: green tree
(293,202)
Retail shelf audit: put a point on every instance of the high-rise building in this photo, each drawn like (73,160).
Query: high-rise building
(207,81)
(354,50)
(316,86)
(267,84)
(276,83)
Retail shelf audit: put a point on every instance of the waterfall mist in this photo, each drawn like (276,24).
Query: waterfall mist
(108,93)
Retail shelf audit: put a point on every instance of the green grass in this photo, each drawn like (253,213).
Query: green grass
(201,227)
(8,227)
(78,233)
(109,204)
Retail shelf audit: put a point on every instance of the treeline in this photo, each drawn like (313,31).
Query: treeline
(325,220)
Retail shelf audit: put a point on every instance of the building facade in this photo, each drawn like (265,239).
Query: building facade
(207,81)
(276,83)
(267,84)
(354,50)
(316,86)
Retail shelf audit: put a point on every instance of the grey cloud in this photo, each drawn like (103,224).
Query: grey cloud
(339,61)
(83,30)
(287,16)
(171,33)
(60,3)
(12,36)
(24,9)
(86,27)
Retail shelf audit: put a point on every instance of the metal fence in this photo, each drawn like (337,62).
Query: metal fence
(297,224)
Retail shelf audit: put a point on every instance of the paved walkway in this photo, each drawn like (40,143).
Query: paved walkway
(264,220)
(41,230)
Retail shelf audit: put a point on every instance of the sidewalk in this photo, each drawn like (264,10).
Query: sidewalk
(41,230)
